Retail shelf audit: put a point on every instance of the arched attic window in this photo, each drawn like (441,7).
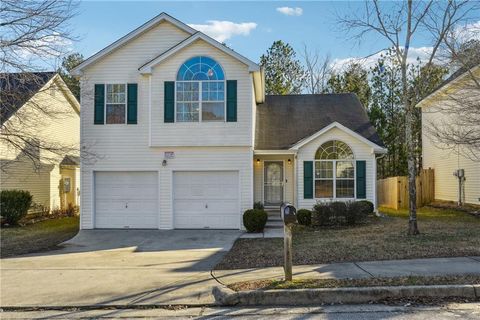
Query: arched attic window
(334,171)
(200,91)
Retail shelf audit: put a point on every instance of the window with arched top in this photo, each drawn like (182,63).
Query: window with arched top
(334,171)
(200,91)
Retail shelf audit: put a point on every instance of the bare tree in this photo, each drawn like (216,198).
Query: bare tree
(34,35)
(318,70)
(400,24)
(458,123)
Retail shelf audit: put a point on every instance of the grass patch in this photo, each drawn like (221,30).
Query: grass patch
(443,233)
(36,237)
(342,283)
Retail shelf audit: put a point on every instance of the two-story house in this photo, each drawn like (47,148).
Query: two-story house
(186,137)
(39,148)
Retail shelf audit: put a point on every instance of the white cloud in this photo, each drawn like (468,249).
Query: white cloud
(224,30)
(422,53)
(297,11)
(466,32)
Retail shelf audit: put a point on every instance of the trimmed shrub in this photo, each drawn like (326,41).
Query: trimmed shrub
(322,214)
(258,205)
(366,206)
(353,213)
(254,220)
(304,217)
(14,205)
(339,212)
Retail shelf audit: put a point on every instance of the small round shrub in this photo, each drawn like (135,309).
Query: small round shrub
(254,220)
(366,207)
(14,205)
(304,217)
(322,214)
(258,205)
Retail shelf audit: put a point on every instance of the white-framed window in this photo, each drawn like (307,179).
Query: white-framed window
(116,103)
(200,91)
(334,171)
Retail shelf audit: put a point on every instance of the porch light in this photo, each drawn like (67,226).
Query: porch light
(258,161)
(289,161)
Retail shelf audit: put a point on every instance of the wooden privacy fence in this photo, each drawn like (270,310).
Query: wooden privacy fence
(393,192)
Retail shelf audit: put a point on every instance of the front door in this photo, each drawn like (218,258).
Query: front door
(273,183)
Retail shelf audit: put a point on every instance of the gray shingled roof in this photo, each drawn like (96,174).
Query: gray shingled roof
(18,88)
(282,121)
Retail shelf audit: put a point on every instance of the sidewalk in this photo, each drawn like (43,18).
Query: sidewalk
(356,270)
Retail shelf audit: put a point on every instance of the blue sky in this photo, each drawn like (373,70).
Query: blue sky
(248,27)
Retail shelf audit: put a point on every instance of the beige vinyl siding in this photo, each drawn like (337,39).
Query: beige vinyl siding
(61,126)
(288,177)
(197,146)
(361,150)
(202,133)
(125,61)
(21,175)
(186,159)
(445,162)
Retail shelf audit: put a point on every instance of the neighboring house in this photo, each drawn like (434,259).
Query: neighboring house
(439,108)
(187,139)
(40,107)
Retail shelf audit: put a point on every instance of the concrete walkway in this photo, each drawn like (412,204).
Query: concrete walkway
(356,270)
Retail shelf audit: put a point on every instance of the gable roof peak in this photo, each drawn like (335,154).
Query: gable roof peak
(77,71)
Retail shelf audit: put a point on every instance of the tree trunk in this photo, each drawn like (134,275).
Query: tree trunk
(412,174)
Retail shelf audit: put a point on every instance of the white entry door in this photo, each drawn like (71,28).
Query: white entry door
(273,183)
(126,200)
(206,199)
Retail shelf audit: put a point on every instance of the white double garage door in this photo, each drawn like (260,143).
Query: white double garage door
(200,199)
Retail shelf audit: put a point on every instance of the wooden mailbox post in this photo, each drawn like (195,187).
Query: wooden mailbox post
(289,218)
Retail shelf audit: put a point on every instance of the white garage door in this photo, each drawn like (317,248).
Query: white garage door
(206,199)
(126,200)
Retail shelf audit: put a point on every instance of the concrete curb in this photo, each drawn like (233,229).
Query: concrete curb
(302,297)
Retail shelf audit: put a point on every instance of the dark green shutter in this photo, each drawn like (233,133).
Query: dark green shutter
(132,90)
(99,108)
(231,100)
(361,179)
(169,102)
(308,179)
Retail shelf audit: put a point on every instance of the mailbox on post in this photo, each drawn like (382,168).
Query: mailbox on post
(288,213)
(289,218)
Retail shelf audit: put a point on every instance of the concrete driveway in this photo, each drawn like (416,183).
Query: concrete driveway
(118,267)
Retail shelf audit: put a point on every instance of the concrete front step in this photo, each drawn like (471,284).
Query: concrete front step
(275,224)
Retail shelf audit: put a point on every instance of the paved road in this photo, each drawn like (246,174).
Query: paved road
(464,311)
(121,267)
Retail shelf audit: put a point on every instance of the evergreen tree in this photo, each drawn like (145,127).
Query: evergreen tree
(353,80)
(68,63)
(284,74)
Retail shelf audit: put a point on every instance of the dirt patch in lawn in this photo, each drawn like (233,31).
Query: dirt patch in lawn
(341,283)
(40,236)
(443,233)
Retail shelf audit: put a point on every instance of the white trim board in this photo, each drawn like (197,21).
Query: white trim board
(301,143)
(77,71)
(147,68)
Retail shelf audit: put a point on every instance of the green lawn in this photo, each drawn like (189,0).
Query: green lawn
(36,237)
(443,233)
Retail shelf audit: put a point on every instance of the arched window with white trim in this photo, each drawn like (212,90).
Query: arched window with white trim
(334,171)
(200,91)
